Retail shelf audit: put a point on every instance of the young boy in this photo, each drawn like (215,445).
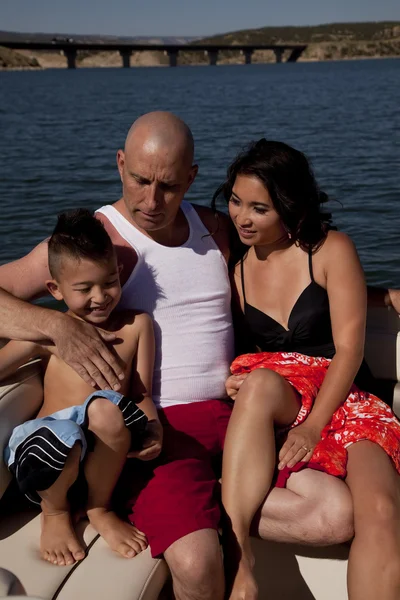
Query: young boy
(45,454)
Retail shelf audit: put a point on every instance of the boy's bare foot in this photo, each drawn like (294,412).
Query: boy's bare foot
(122,537)
(58,542)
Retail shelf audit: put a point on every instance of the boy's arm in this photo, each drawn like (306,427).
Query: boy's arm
(16,353)
(141,388)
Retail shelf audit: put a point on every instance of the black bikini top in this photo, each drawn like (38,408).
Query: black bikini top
(309,323)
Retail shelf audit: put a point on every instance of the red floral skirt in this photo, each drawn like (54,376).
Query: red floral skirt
(362,416)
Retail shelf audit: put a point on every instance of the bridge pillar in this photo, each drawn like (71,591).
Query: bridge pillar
(126,58)
(173,57)
(278,54)
(70,55)
(212,57)
(248,53)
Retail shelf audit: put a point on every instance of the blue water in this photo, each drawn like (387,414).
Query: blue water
(60,130)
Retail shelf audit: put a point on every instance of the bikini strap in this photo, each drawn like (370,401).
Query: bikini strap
(242,278)
(310,264)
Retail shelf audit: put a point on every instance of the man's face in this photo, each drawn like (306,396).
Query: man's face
(154,182)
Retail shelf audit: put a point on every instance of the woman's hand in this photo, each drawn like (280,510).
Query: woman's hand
(152,444)
(233,384)
(299,446)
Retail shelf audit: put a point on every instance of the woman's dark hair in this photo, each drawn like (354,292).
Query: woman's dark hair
(289,180)
(77,235)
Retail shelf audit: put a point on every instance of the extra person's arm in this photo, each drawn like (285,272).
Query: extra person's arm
(79,344)
(348,306)
(384,297)
(14,354)
(141,388)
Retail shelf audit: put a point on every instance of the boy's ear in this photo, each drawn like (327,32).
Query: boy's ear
(54,290)
(120,268)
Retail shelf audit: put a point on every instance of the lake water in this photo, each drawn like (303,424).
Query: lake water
(59,132)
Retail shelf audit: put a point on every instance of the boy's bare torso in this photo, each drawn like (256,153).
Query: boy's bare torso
(63,387)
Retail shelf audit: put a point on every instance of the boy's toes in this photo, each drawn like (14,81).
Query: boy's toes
(142,543)
(60,558)
(78,554)
(127,551)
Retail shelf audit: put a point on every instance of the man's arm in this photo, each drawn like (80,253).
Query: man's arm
(79,344)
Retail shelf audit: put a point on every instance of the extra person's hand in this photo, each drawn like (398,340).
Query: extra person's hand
(152,444)
(82,347)
(233,383)
(299,445)
(394,296)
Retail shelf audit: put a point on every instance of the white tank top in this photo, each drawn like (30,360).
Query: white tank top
(186,291)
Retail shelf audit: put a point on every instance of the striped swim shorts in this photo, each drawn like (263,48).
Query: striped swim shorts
(38,449)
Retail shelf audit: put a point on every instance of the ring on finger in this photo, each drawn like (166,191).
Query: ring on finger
(306,449)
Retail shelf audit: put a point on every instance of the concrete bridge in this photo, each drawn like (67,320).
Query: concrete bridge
(70,50)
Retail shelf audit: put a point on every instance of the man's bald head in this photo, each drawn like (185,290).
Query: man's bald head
(161,131)
(156,169)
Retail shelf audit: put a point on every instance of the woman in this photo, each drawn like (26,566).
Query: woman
(301,291)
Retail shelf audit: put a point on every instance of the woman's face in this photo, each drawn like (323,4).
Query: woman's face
(253,213)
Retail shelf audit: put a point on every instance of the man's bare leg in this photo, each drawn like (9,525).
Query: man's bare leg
(102,469)
(195,562)
(315,509)
(265,400)
(58,543)
(375,553)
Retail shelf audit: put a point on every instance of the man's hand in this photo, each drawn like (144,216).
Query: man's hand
(82,347)
(152,444)
(299,446)
(233,383)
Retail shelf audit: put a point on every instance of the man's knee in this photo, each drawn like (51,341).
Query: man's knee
(196,565)
(327,507)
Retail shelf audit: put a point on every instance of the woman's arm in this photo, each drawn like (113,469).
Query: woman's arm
(348,306)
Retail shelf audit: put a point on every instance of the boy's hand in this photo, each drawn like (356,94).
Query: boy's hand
(299,446)
(152,444)
(233,383)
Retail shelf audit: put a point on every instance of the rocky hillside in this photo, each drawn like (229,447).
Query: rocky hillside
(336,41)
(10,59)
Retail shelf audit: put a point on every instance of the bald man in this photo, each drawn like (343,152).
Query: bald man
(173,258)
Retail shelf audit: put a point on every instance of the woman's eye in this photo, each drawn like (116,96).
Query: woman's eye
(234,201)
(260,211)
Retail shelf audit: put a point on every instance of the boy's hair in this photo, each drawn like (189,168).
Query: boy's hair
(77,235)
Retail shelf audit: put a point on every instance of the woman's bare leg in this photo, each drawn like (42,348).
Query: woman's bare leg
(58,542)
(374,563)
(103,467)
(264,400)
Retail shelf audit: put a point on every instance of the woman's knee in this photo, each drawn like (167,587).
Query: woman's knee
(105,418)
(262,384)
(381,510)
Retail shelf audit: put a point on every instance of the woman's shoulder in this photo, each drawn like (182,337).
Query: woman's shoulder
(336,244)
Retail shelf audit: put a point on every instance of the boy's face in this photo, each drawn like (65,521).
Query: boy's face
(90,289)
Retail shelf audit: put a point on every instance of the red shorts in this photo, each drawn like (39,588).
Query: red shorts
(179,491)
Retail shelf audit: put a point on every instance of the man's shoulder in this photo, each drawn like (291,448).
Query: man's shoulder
(218,224)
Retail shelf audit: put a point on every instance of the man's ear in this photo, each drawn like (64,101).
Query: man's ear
(192,176)
(120,268)
(120,162)
(54,290)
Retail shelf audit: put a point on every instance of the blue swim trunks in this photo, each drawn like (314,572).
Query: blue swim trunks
(38,449)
